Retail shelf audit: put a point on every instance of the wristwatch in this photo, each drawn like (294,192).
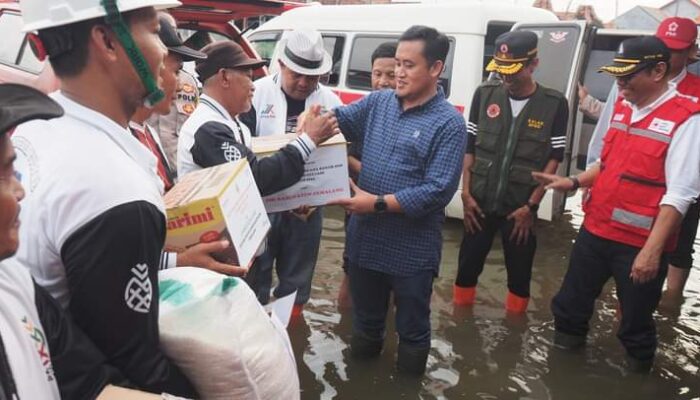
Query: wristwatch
(380,204)
(533,207)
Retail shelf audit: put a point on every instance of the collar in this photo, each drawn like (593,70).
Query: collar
(439,95)
(215,106)
(640,113)
(115,132)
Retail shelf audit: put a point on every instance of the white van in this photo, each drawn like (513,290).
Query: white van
(351,33)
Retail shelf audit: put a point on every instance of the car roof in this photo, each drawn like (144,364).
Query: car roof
(462,17)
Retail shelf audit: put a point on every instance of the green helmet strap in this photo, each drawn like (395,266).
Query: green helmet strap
(116,22)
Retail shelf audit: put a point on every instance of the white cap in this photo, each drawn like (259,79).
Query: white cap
(42,14)
(303,52)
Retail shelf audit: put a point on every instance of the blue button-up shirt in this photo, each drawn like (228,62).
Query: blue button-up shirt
(416,155)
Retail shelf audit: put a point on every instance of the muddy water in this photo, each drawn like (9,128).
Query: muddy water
(478,353)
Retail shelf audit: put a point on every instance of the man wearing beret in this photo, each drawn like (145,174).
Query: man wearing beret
(516,126)
(647,177)
(679,35)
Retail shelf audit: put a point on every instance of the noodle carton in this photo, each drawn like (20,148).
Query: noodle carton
(221,202)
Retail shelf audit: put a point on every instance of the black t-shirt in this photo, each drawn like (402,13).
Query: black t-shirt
(294,108)
(558,140)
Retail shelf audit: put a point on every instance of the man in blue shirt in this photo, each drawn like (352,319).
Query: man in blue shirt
(412,141)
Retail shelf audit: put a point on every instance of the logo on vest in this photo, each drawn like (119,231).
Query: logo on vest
(40,343)
(662,126)
(493,111)
(139,291)
(267,112)
(231,153)
(618,117)
(535,124)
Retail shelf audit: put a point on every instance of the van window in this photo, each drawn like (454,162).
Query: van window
(11,32)
(360,68)
(334,45)
(264,43)
(556,48)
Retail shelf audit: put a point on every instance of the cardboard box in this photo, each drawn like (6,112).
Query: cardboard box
(325,174)
(221,202)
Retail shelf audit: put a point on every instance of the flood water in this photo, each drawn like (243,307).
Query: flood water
(479,353)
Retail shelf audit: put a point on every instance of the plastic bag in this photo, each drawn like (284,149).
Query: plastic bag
(213,328)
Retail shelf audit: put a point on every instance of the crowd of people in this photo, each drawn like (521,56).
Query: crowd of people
(91,163)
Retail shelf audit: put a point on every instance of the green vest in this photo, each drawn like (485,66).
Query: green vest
(508,150)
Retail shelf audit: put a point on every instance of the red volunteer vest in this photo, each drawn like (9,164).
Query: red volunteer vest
(624,200)
(690,87)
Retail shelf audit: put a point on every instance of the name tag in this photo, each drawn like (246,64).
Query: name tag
(533,123)
(662,126)
(618,117)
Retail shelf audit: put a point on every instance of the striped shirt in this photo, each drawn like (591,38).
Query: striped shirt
(415,154)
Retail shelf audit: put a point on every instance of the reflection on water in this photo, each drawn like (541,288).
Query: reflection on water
(479,353)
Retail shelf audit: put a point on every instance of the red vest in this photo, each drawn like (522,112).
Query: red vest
(624,200)
(690,87)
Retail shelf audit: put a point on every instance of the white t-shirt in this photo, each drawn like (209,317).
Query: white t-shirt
(25,343)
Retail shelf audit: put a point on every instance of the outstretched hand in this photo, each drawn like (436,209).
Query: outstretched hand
(200,255)
(361,202)
(552,181)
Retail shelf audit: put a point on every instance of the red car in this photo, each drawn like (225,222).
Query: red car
(19,64)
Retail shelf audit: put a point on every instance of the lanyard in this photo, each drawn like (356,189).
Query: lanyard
(209,104)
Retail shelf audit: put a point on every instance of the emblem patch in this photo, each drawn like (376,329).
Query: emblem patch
(662,126)
(618,117)
(139,292)
(533,123)
(231,153)
(558,37)
(504,48)
(493,110)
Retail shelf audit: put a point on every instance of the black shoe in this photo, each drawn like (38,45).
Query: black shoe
(362,346)
(411,360)
(564,341)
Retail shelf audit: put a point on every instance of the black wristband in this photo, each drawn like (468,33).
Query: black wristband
(575,181)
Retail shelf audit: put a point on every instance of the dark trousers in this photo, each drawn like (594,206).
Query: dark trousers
(593,261)
(683,256)
(370,292)
(519,258)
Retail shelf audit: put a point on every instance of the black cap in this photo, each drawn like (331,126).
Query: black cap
(637,53)
(512,51)
(224,54)
(171,39)
(19,103)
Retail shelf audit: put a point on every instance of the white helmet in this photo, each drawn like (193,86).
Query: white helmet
(42,14)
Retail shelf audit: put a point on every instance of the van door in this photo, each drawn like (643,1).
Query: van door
(561,50)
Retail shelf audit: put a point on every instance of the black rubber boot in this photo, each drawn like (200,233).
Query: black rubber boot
(362,346)
(638,366)
(411,360)
(565,341)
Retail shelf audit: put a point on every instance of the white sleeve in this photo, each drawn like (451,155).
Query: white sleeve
(683,166)
(595,146)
